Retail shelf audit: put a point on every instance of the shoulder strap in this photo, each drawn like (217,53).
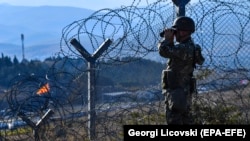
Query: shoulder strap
(194,56)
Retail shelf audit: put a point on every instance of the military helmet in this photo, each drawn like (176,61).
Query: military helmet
(184,23)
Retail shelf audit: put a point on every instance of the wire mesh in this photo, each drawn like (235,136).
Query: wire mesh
(222,30)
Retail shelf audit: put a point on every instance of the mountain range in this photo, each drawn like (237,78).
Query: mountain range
(41,28)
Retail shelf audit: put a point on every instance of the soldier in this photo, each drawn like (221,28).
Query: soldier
(177,79)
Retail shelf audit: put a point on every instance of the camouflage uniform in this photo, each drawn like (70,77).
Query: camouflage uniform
(177,77)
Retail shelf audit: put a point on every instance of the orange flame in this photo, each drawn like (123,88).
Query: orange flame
(44,89)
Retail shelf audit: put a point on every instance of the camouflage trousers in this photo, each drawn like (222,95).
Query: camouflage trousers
(178,106)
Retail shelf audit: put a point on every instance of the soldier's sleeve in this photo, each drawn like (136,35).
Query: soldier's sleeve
(165,49)
(198,55)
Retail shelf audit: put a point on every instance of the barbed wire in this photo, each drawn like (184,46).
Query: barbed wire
(130,28)
(222,29)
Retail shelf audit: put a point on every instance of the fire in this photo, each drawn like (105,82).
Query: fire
(44,89)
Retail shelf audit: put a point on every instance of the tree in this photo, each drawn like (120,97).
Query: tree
(15,61)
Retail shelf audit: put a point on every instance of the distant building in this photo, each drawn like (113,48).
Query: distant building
(147,95)
(116,96)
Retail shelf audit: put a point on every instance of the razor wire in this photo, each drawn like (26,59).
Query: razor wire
(222,30)
(130,28)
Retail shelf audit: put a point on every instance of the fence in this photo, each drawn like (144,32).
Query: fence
(222,29)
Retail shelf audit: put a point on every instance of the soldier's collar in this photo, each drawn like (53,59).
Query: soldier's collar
(189,39)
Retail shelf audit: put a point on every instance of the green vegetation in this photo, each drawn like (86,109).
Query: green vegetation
(15,132)
(132,75)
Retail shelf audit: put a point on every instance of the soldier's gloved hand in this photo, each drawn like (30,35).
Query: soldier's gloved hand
(169,35)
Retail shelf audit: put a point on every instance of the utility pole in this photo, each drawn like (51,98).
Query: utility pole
(180,7)
(22,39)
(91,80)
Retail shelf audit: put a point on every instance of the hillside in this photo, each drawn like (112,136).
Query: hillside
(42,27)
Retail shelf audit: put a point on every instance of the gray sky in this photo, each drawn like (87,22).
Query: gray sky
(89,4)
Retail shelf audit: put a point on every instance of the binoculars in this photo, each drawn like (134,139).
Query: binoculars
(163,32)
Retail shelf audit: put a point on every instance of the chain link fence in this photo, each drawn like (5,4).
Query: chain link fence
(222,29)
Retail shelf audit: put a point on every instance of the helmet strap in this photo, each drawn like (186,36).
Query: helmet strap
(182,35)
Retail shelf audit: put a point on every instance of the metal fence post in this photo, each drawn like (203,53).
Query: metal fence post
(91,99)
(180,7)
(91,80)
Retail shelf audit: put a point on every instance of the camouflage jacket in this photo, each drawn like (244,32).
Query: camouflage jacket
(183,57)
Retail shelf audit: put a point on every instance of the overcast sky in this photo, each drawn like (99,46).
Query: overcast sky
(89,4)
